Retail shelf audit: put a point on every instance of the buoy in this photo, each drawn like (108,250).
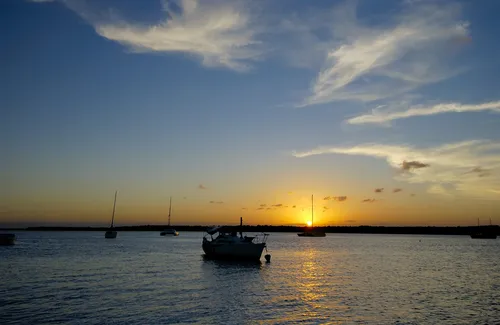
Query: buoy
(268,257)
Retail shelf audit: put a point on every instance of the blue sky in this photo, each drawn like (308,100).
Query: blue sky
(253,100)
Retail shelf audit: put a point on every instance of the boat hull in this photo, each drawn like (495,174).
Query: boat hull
(169,233)
(7,239)
(311,234)
(110,234)
(483,236)
(233,251)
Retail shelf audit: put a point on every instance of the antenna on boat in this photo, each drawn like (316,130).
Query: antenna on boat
(114,206)
(169,210)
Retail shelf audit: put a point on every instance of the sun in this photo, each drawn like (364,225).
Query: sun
(309,223)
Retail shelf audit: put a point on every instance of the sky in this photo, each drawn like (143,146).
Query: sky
(386,111)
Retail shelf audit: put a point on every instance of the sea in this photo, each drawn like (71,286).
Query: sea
(143,278)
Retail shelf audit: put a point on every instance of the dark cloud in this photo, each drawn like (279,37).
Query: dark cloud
(268,209)
(396,190)
(412,194)
(243,208)
(216,202)
(260,208)
(409,165)
(335,198)
(263,205)
(379,190)
(325,208)
(279,205)
(202,187)
(368,201)
(294,206)
(481,172)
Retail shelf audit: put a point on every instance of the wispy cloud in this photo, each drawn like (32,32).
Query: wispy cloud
(379,190)
(397,190)
(216,202)
(279,205)
(382,117)
(368,201)
(439,190)
(220,33)
(372,62)
(449,164)
(202,187)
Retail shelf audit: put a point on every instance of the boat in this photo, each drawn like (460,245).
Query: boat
(227,244)
(484,232)
(312,232)
(111,232)
(169,230)
(7,239)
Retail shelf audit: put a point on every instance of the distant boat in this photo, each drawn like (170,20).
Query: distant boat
(487,233)
(312,232)
(7,239)
(111,232)
(228,245)
(169,230)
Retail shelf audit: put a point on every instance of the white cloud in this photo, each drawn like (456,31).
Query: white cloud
(378,116)
(471,167)
(220,33)
(369,63)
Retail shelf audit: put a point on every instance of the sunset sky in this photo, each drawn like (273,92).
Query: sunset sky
(386,111)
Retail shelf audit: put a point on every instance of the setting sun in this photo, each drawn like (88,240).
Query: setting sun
(309,223)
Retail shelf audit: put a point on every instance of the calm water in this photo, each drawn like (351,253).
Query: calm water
(142,278)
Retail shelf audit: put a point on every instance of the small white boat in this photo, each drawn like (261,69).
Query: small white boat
(228,245)
(169,230)
(7,239)
(111,232)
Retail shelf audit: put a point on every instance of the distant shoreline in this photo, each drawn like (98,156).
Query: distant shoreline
(401,230)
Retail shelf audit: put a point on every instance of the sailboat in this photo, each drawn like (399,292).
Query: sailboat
(312,232)
(487,233)
(169,230)
(111,232)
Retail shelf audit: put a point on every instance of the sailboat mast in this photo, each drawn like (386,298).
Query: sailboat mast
(169,211)
(114,206)
(312,210)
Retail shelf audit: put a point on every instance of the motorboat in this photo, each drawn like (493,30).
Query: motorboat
(226,243)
